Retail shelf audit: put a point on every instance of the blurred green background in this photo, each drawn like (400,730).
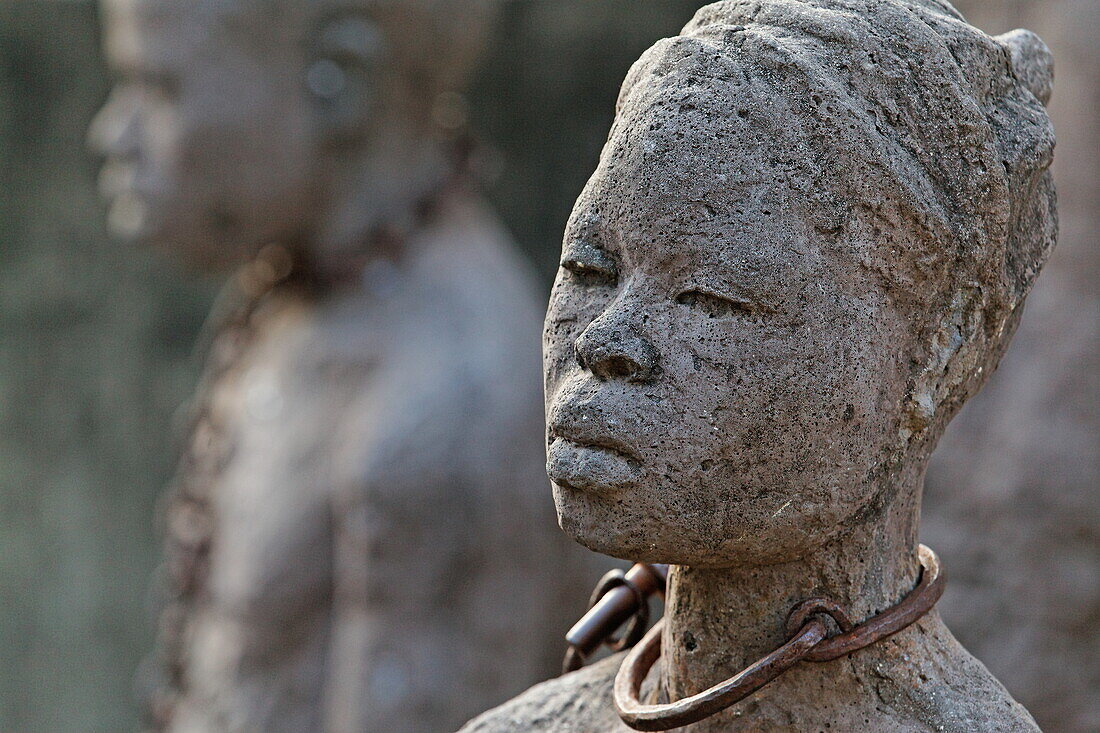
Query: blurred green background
(95,338)
(94,344)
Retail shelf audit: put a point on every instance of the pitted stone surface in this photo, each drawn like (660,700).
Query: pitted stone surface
(902,697)
(807,242)
(1011,498)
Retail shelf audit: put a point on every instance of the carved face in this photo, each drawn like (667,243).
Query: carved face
(723,381)
(207,138)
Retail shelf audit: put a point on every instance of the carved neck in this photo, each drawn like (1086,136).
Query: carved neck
(720,620)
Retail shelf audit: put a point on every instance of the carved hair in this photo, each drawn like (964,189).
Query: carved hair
(926,140)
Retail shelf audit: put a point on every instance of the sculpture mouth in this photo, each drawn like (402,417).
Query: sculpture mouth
(117,178)
(589,437)
(590,464)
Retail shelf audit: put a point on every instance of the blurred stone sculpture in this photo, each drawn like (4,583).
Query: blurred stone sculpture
(1011,500)
(807,243)
(358,539)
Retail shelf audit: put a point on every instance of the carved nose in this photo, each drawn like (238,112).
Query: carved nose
(616,352)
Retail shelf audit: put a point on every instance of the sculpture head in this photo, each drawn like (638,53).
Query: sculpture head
(806,244)
(238,123)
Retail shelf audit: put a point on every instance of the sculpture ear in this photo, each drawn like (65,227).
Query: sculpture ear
(954,353)
(1028,150)
(1032,62)
(342,73)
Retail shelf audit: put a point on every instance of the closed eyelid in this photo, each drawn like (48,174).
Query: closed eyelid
(582,256)
(721,305)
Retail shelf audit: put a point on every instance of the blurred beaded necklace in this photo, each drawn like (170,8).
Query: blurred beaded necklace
(186,509)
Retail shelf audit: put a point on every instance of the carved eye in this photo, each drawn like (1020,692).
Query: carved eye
(590,264)
(716,306)
(590,274)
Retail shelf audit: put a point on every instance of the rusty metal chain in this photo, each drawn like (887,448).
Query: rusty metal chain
(808,641)
(617,599)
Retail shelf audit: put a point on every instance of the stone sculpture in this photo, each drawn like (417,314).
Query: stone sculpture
(357,539)
(1011,500)
(808,241)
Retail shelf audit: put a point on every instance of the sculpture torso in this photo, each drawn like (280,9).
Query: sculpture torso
(379,522)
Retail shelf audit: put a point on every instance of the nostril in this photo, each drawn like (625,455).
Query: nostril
(618,367)
(616,354)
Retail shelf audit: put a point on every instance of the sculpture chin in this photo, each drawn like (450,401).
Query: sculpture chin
(625,526)
(587,520)
(616,525)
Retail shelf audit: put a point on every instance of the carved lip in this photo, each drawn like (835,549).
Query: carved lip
(118,177)
(590,466)
(590,437)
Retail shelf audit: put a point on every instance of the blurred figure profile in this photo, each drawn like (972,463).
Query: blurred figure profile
(360,535)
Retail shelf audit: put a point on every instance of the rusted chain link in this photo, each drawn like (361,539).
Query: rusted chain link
(617,599)
(808,641)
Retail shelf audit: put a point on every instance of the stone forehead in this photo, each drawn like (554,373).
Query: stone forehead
(420,33)
(895,112)
(312,7)
(704,139)
(694,129)
(788,86)
(674,169)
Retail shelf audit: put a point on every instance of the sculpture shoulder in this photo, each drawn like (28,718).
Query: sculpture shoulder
(918,685)
(935,680)
(918,681)
(424,391)
(580,702)
(472,319)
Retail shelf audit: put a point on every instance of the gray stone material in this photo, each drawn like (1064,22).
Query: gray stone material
(807,243)
(358,538)
(1011,500)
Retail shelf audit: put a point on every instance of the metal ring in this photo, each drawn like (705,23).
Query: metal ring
(636,666)
(610,608)
(638,622)
(815,607)
(918,602)
(810,642)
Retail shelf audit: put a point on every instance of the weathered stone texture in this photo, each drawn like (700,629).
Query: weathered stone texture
(897,697)
(1011,500)
(808,241)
